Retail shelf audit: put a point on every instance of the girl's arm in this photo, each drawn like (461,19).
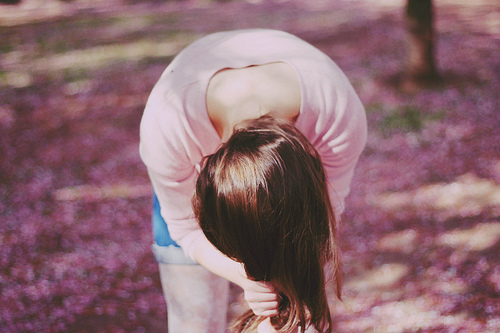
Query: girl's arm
(260,296)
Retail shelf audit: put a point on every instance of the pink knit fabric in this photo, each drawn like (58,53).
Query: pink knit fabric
(176,131)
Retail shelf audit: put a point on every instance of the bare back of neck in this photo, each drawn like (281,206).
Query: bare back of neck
(235,95)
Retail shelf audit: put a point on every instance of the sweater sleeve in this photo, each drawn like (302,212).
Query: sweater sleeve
(343,135)
(164,149)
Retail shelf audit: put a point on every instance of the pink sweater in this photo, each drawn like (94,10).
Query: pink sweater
(176,131)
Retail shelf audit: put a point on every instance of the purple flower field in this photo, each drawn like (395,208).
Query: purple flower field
(421,231)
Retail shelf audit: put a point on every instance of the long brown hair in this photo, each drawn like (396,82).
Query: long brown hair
(262,200)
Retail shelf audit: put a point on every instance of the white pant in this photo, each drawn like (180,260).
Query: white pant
(197,300)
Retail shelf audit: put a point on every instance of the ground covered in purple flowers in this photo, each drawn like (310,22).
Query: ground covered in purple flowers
(421,232)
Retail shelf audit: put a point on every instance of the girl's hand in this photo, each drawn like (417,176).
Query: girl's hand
(260,296)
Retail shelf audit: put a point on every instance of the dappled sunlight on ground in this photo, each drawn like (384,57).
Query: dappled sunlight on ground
(384,277)
(467,196)
(96,193)
(105,55)
(21,68)
(478,238)
(399,241)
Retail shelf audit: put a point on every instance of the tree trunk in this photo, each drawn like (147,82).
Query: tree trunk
(420,38)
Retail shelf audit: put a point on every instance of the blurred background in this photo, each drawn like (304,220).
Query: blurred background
(421,232)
